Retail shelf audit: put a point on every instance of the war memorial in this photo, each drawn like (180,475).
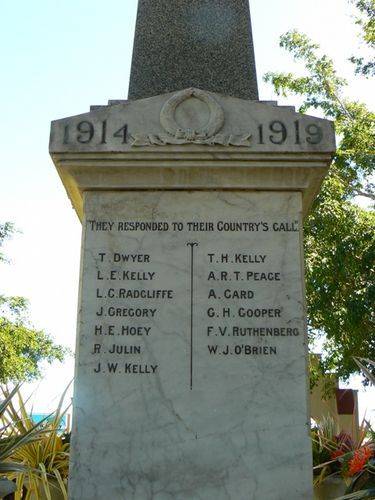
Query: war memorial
(191,377)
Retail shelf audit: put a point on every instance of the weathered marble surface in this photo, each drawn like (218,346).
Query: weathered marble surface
(242,432)
(193,43)
(249,126)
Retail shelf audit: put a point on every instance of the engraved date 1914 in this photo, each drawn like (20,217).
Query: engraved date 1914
(85,131)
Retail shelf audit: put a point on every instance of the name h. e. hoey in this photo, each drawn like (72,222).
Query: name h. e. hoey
(124,330)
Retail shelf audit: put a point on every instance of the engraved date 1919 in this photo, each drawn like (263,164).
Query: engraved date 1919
(277,132)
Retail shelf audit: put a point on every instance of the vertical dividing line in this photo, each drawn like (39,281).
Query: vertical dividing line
(191,245)
(191,315)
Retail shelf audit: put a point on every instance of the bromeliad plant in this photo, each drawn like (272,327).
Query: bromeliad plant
(38,461)
(338,455)
(362,465)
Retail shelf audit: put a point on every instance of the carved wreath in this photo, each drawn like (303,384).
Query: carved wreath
(203,135)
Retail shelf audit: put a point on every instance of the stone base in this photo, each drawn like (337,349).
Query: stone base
(198,389)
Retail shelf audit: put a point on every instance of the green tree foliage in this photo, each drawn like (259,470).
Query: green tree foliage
(22,348)
(339,235)
(6,231)
(366,21)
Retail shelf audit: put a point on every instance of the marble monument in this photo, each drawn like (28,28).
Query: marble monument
(191,367)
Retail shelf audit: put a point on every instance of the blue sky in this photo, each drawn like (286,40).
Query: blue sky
(58,58)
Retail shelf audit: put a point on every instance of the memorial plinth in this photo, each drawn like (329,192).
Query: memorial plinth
(191,377)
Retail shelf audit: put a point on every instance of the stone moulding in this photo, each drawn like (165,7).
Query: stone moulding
(192,140)
(177,135)
(188,168)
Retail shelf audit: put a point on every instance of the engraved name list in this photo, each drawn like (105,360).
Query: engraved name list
(216,290)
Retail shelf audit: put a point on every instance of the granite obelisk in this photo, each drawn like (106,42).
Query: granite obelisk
(191,364)
(206,44)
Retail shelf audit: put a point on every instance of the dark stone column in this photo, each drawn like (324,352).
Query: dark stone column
(206,44)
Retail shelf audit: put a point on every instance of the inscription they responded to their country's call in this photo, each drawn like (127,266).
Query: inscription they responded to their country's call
(275,132)
(235,317)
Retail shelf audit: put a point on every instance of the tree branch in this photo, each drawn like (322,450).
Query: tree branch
(365,194)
